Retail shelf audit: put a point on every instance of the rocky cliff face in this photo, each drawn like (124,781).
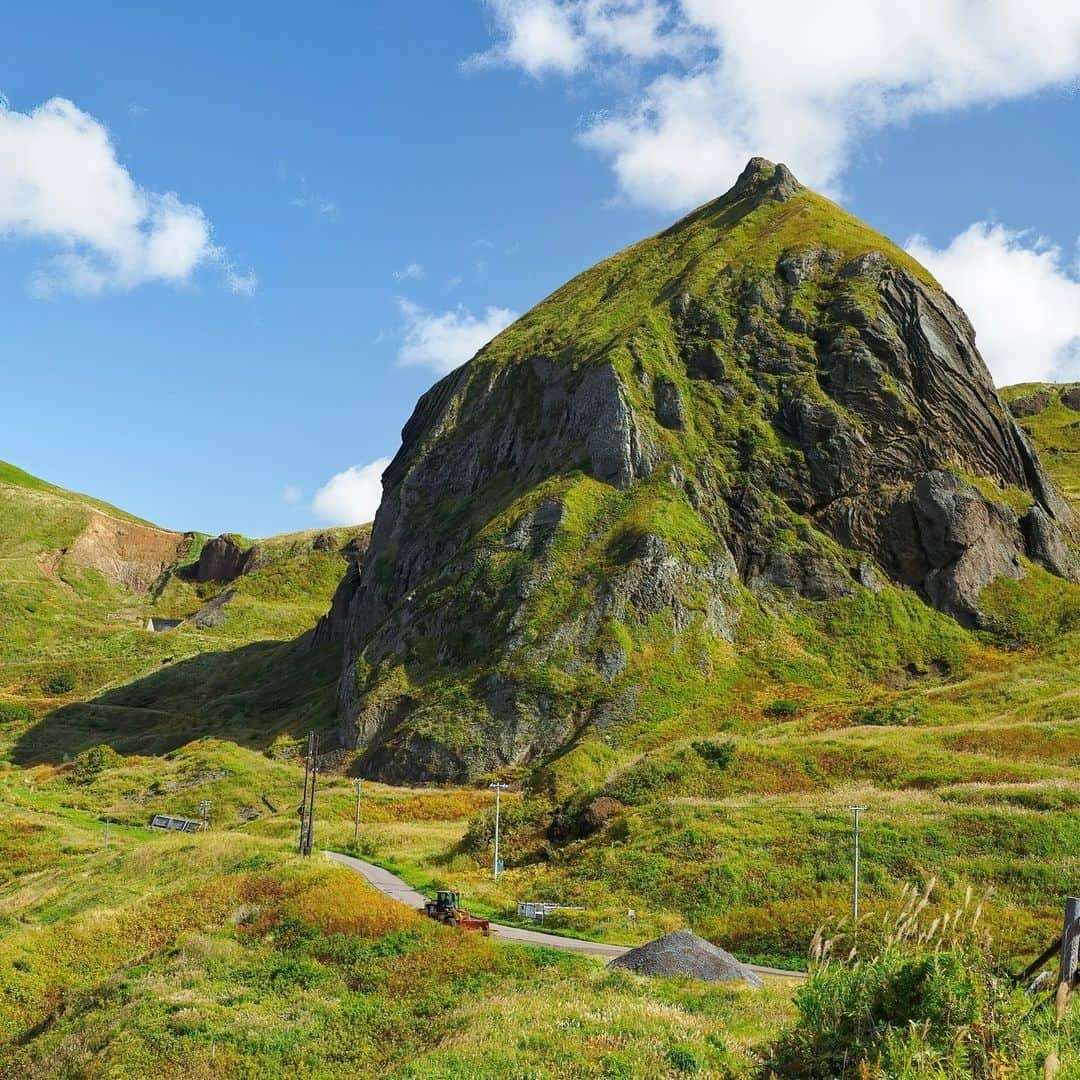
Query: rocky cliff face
(222,559)
(768,404)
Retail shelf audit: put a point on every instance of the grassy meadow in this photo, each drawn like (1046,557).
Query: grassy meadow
(226,955)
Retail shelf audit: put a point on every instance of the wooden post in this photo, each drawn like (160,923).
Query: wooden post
(1070,940)
(304,801)
(310,836)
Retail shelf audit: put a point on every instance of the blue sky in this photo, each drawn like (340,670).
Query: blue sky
(235,248)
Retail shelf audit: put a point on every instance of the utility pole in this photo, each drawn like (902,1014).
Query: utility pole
(499,787)
(307,806)
(302,808)
(356,822)
(856,810)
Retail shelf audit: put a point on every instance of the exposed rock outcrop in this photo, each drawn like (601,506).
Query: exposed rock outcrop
(753,407)
(127,553)
(334,624)
(1031,404)
(223,559)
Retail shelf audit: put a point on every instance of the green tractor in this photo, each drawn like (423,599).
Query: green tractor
(446,908)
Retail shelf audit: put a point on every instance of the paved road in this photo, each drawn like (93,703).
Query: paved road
(393,886)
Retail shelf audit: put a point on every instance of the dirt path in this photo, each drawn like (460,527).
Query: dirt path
(391,885)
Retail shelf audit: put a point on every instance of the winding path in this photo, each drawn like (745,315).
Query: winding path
(392,886)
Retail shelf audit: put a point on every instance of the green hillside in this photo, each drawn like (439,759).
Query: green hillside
(730,726)
(1054,425)
(74,629)
(233,957)
(755,449)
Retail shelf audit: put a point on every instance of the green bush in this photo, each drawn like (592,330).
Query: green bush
(517,817)
(930,1004)
(63,682)
(683,1060)
(645,781)
(718,754)
(94,761)
(898,714)
(783,707)
(15,712)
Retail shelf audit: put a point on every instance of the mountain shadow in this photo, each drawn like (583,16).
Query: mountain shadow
(249,695)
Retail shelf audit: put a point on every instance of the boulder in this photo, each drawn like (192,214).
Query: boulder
(223,559)
(1031,404)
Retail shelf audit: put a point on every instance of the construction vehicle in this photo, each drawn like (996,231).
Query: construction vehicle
(446,908)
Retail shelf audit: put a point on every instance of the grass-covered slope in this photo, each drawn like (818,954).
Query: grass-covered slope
(79,582)
(1051,415)
(223,955)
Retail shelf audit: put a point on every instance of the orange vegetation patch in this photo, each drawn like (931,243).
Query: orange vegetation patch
(830,720)
(429,806)
(340,902)
(1058,745)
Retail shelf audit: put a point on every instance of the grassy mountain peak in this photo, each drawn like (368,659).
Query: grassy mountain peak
(723,435)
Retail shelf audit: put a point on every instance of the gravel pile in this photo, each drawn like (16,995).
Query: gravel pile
(684,953)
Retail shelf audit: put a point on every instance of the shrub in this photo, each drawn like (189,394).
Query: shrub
(517,818)
(645,781)
(718,754)
(63,682)
(94,761)
(341,902)
(928,1004)
(898,714)
(783,707)
(15,712)
(683,1060)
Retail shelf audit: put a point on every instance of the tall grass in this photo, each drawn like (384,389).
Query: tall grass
(925,1000)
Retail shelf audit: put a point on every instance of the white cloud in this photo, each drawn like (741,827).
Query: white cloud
(241,284)
(538,36)
(542,36)
(1020,295)
(414,271)
(61,182)
(791,80)
(351,497)
(291,494)
(443,342)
